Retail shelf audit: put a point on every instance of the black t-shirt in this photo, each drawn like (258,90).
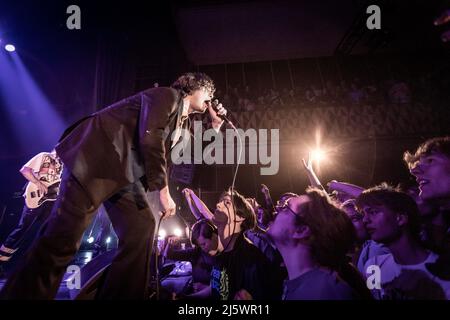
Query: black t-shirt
(244,267)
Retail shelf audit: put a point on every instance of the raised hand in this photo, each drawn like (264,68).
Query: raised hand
(345,188)
(264,188)
(443,19)
(187,192)
(308,165)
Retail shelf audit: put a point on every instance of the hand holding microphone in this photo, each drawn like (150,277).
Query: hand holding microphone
(218,111)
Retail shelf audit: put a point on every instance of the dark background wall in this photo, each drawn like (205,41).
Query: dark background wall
(124,48)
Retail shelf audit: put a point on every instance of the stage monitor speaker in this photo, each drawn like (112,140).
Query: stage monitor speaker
(91,275)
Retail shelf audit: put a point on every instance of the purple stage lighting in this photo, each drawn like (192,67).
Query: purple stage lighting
(9,47)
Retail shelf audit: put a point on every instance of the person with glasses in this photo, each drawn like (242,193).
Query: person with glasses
(313,236)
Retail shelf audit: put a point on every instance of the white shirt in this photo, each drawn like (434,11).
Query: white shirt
(408,282)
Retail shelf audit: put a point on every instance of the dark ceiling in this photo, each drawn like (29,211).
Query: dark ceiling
(212,32)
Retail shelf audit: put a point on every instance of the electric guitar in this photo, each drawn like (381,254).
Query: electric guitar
(34,197)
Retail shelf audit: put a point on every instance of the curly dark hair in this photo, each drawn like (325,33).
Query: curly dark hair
(191,81)
(434,145)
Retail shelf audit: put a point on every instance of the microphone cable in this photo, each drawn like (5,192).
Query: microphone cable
(156,254)
(234,181)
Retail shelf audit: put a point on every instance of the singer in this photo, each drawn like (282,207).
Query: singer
(113,157)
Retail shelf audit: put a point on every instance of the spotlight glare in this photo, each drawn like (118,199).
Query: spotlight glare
(317,155)
(90,240)
(9,47)
(108,240)
(177,232)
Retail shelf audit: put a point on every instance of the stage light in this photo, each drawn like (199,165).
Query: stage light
(90,240)
(108,240)
(162,233)
(317,155)
(9,47)
(177,232)
(87,256)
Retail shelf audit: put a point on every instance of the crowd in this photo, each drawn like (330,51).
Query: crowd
(338,242)
(355,91)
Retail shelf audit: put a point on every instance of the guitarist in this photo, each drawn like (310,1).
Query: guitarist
(43,170)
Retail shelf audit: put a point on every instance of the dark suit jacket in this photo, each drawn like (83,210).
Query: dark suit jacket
(123,143)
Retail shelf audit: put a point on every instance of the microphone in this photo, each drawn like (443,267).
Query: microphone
(215,103)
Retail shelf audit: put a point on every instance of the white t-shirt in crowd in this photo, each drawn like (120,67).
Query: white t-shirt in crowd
(408,282)
(370,249)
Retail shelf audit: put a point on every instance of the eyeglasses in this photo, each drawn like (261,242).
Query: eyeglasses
(283,205)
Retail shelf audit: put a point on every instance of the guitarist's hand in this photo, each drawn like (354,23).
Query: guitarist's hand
(42,187)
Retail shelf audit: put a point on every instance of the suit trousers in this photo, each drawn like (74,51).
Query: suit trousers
(40,273)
